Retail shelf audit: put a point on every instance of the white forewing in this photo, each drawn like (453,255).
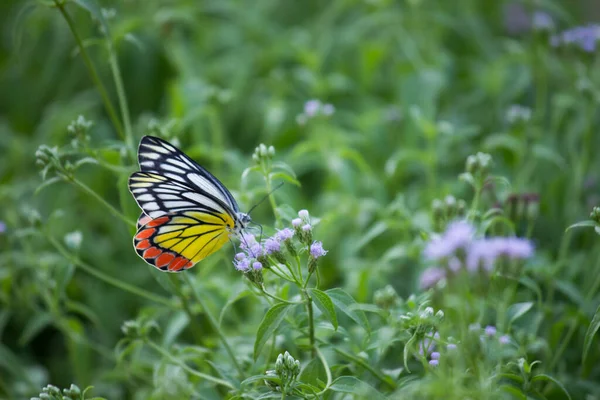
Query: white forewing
(160,158)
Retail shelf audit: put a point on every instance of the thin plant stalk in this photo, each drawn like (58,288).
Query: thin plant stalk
(109,279)
(116,72)
(183,365)
(214,323)
(95,195)
(311,322)
(112,114)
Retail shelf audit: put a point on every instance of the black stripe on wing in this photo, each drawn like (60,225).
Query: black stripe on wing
(158,156)
(158,195)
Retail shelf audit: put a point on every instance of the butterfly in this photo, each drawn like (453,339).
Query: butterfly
(188,214)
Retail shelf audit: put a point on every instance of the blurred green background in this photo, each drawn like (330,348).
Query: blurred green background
(417,85)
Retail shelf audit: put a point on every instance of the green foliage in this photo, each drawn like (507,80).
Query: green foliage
(388,120)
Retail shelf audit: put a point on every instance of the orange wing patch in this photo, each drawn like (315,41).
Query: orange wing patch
(176,242)
(162,259)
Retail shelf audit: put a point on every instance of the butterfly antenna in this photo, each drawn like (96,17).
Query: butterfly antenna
(261,229)
(264,198)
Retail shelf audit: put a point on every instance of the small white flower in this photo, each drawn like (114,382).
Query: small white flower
(73,240)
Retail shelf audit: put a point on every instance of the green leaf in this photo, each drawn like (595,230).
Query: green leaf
(324,303)
(63,276)
(343,301)
(257,378)
(548,378)
(237,296)
(94,9)
(531,284)
(47,183)
(513,391)
(270,322)
(350,384)
(314,374)
(375,231)
(285,177)
(581,224)
(589,335)
(34,326)
(517,310)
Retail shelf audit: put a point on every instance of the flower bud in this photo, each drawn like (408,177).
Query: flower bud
(269,383)
(595,215)
(386,297)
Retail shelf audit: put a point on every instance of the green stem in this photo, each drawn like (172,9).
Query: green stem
(327,370)
(183,365)
(574,322)
(95,195)
(267,175)
(311,322)
(365,365)
(475,204)
(279,274)
(264,291)
(91,70)
(214,323)
(186,307)
(108,279)
(114,67)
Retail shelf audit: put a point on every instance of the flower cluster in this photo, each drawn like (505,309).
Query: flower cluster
(314,108)
(517,114)
(51,392)
(582,37)
(458,248)
(489,332)
(542,21)
(254,255)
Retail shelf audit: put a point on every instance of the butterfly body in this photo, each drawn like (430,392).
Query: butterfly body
(188,214)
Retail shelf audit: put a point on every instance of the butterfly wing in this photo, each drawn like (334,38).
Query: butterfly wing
(175,242)
(158,195)
(160,157)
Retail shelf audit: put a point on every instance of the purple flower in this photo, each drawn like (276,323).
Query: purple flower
(458,235)
(583,37)
(490,330)
(257,265)
(542,21)
(435,355)
(517,248)
(296,222)
(428,345)
(483,253)
(454,264)
(242,265)
(434,363)
(303,214)
(247,240)
(2,227)
(451,346)
(240,256)
(504,339)
(272,245)
(431,276)
(284,234)
(328,109)
(255,251)
(307,228)
(316,250)
(516,18)
(312,107)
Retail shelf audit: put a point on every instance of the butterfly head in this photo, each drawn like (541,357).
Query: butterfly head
(243,220)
